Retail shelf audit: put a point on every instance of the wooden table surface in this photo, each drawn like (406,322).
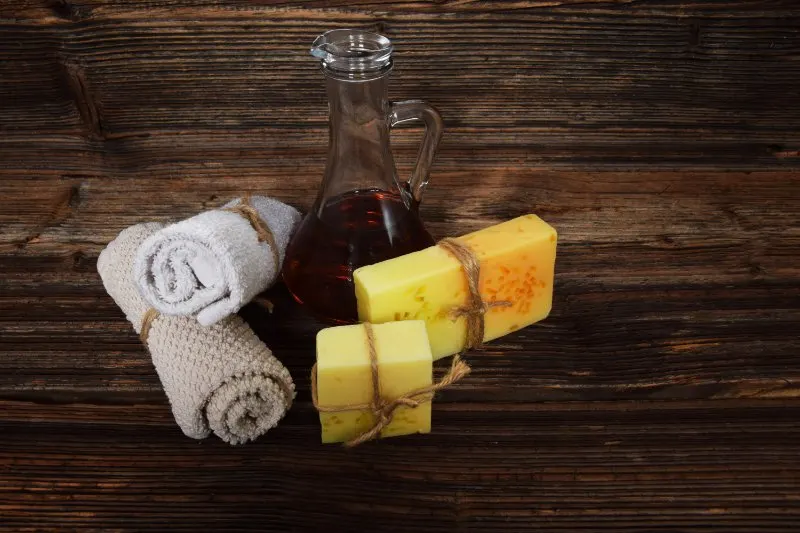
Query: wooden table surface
(661,139)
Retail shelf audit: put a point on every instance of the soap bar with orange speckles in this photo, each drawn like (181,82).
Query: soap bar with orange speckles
(517,261)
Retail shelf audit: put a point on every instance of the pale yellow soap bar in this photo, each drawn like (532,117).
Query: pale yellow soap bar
(344,377)
(517,261)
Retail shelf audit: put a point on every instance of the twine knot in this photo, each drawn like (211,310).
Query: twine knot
(475,308)
(382,409)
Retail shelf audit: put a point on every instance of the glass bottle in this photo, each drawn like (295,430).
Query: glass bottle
(362,214)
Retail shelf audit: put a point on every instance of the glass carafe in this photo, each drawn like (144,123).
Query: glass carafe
(362,214)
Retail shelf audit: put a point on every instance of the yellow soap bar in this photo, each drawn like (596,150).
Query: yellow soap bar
(344,377)
(517,261)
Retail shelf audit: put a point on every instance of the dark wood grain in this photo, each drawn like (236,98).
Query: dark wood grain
(599,84)
(660,138)
(594,467)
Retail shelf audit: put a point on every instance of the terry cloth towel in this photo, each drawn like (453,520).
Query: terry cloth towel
(219,379)
(214,263)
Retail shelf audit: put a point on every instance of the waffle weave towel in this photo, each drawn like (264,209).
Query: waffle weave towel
(219,379)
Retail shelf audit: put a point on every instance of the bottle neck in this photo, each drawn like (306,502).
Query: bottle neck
(358,99)
(358,154)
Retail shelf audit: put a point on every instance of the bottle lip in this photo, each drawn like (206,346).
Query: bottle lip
(353,54)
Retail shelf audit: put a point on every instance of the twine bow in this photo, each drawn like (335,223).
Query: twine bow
(246,210)
(475,308)
(383,409)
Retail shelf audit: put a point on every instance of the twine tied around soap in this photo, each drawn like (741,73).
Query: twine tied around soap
(147,321)
(381,408)
(475,308)
(247,211)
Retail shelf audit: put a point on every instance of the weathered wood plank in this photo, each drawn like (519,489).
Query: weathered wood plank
(595,467)
(595,84)
(610,208)
(60,10)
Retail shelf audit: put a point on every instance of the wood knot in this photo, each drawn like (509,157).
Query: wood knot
(84,98)
(67,10)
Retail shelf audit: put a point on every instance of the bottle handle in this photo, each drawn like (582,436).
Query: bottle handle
(410,111)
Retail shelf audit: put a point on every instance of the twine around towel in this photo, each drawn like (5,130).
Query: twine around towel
(381,408)
(147,321)
(246,210)
(476,308)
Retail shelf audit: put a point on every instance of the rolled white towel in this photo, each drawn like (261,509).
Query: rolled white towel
(219,379)
(212,264)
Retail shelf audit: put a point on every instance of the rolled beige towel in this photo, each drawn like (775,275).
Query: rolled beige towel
(220,378)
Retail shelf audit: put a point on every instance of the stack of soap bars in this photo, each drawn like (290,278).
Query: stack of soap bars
(422,309)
